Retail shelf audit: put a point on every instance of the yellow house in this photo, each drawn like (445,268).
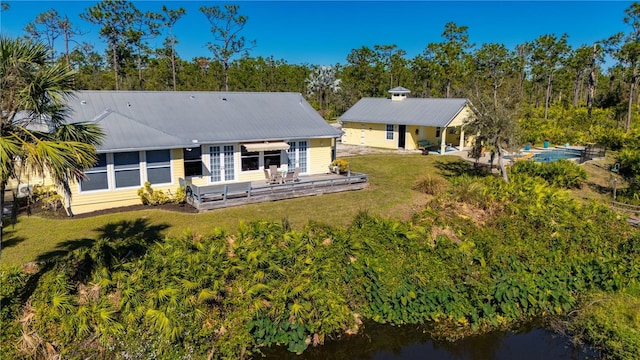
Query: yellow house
(407,123)
(205,137)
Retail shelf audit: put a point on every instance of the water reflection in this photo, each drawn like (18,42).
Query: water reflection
(381,342)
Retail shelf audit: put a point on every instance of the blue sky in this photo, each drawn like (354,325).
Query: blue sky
(325,32)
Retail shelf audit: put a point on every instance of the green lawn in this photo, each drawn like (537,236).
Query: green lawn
(389,193)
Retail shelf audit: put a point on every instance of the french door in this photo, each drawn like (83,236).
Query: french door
(297,155)
(222,163)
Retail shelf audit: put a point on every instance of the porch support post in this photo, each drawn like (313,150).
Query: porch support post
(334,151)
(462,138)
(443,140)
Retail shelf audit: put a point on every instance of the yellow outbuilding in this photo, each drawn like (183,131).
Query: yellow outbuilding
(401,122)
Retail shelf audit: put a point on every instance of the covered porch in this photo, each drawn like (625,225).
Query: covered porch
(438,140)
(250,192)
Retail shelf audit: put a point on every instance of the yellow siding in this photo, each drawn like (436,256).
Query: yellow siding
(374,135)
(453,139)
(352,133)
(413,135)
(369,134)
(177,165)
(462,117)
(320,156)
(113,198)
(30,179)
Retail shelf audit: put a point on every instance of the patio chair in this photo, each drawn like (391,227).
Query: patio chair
(296,172)
(275,174)
(267,177)
(288,177)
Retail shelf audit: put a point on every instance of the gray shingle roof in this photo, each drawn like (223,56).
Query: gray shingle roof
(167,119)
(410,111)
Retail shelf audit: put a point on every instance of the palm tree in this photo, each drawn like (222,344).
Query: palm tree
(321,80)
(81,133)
(34,137)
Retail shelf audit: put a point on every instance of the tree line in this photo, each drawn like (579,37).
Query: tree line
(543,72)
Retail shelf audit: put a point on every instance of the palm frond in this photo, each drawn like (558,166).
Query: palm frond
(87,133)
(9,151)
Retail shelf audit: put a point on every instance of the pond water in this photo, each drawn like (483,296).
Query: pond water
(383,342)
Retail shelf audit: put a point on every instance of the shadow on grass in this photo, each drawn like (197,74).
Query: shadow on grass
(9,238)
(461,167)
(116,243)
(605,190)
(125,235)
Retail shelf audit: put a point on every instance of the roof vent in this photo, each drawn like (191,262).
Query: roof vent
(128,104)
(224,99)
(83,102)
(192,96)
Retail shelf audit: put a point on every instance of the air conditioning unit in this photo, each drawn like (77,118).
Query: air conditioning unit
(24,190)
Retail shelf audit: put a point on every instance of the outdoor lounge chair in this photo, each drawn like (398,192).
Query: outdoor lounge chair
(273,170)
(288,177)
(267,177)
(271,177)
(275,174)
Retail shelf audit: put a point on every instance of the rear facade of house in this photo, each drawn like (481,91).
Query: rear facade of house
(205,137)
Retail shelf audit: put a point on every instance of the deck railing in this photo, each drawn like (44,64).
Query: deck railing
(633,209)
(219,196)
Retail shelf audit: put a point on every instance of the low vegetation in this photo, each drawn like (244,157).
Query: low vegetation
(564,174)
(150,196)
(610,321)
(479,256)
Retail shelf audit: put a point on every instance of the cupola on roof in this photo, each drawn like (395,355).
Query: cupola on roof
(399,93)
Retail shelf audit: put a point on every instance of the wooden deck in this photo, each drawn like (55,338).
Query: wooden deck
(233,194)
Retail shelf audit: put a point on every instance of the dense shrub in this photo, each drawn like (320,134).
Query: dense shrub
(564,174)
(341,164)
(629,160)
(47,196)
(573,126)
(12,283)
(611,322)
(149,196)
(229,295)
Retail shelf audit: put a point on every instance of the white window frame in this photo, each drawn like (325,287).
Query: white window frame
(146,167)
(259,156)
(129,167)
(202,162)
(390,132)
(108,165)
(111,173)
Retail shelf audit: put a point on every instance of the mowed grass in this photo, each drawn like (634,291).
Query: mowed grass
(389,194)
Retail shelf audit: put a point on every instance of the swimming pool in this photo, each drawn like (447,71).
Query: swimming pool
(556,154)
